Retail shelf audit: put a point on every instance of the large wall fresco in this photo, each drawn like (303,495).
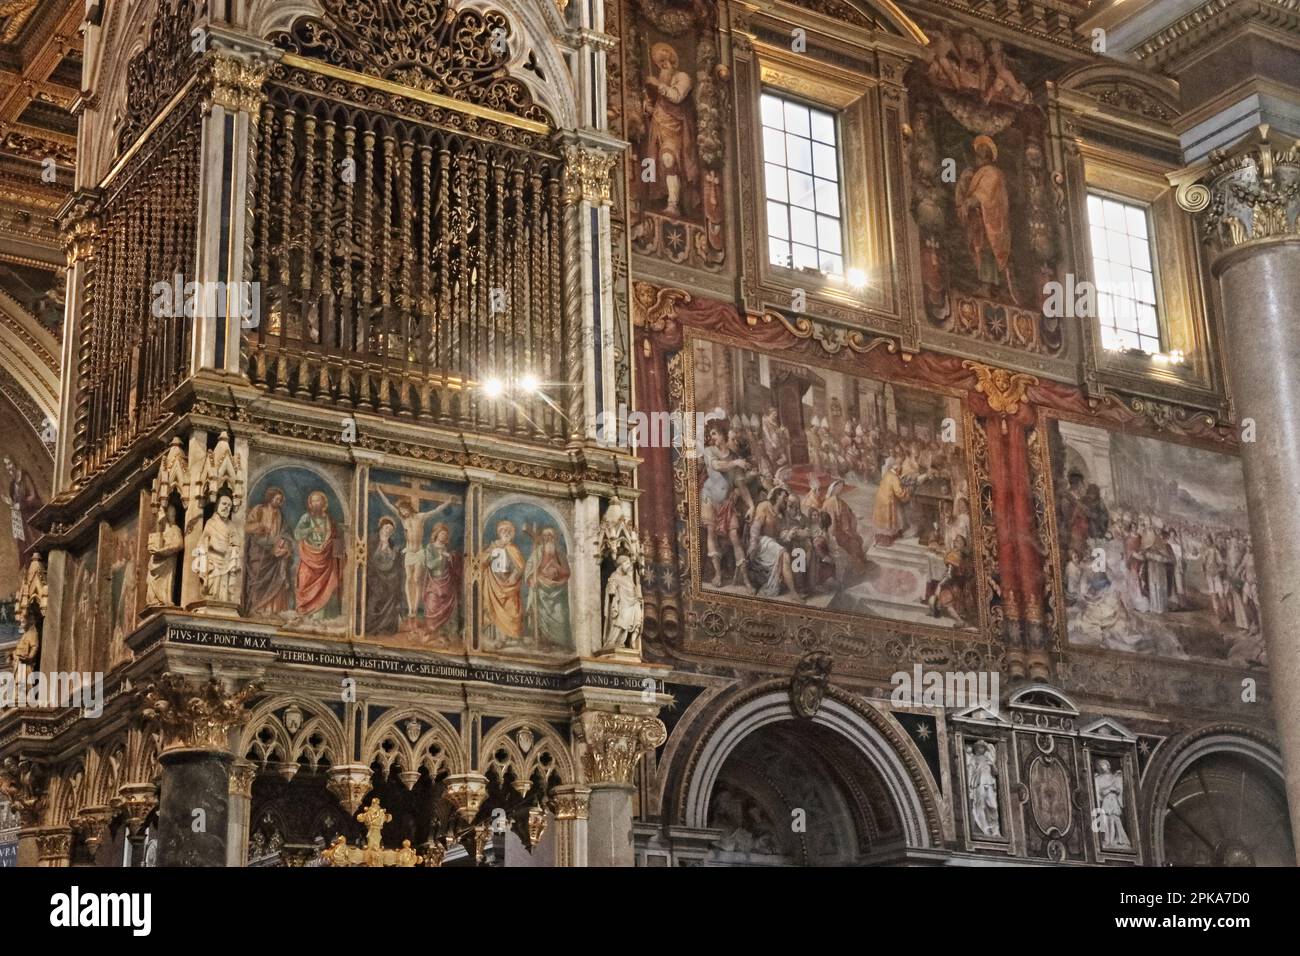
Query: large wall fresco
(415,561)
(983,196)
(295,549)
(524,573)
(831,491)
(1153,546)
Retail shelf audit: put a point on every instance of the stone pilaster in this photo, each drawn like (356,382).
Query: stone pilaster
(1246,199)
(196,719)
(242,774)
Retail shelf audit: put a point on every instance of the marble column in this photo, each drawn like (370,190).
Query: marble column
(1247,199)
(196,719)
(610,747)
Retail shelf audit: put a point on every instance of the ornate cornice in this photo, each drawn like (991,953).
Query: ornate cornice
(1211,19)
(613,743)
(1244,193)
(194,715)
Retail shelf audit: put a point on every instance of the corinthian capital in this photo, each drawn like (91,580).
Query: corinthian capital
(234,84)
(196,715)
(1246,192)
(611,744)
(587,174)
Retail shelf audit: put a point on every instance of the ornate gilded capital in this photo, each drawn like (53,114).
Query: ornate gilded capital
(242,775)
(571,802)
(350,783)
(1246,192)
(91,824)
(466,792)
(587,174)
(233,84)
(613,743)
(53,847)
(1003,389)
(79,228)
(23,784)
(137,801)
(196,716)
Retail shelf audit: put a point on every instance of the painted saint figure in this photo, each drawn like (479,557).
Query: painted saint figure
(268,585)
(441,593)
(887,512)
(670,126)
(383,581)
(319,564)
(547,573)
(503,584)
(1110,807)
(24,501)
(984,208)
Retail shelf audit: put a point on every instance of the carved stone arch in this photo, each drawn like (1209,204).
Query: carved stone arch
(107,767)
(1126,89)
(547,753)
(883,746)
(142,748)
(436,748)
(1178,755)
(531,80)
(67,795)
(269,743)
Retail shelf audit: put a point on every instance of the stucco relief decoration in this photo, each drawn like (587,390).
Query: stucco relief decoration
(982,192)
(674,107)
(431,45)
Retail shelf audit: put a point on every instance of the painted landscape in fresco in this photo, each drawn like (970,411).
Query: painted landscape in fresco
(295,549)
(831,491)
(415,560)
(524,577)
(1155,553)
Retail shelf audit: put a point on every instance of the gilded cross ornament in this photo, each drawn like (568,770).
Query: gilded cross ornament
(374,816)
(1245,192)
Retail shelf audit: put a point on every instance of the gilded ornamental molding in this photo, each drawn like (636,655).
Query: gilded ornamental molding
(1246,192)
(233,84)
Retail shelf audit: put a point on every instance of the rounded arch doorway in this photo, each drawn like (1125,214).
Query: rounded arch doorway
(842,787)
(1227,809)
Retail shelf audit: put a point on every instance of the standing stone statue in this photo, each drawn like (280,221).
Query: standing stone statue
(165,546)
(1108,816)
(217,560)
(982,788)
(624,607)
